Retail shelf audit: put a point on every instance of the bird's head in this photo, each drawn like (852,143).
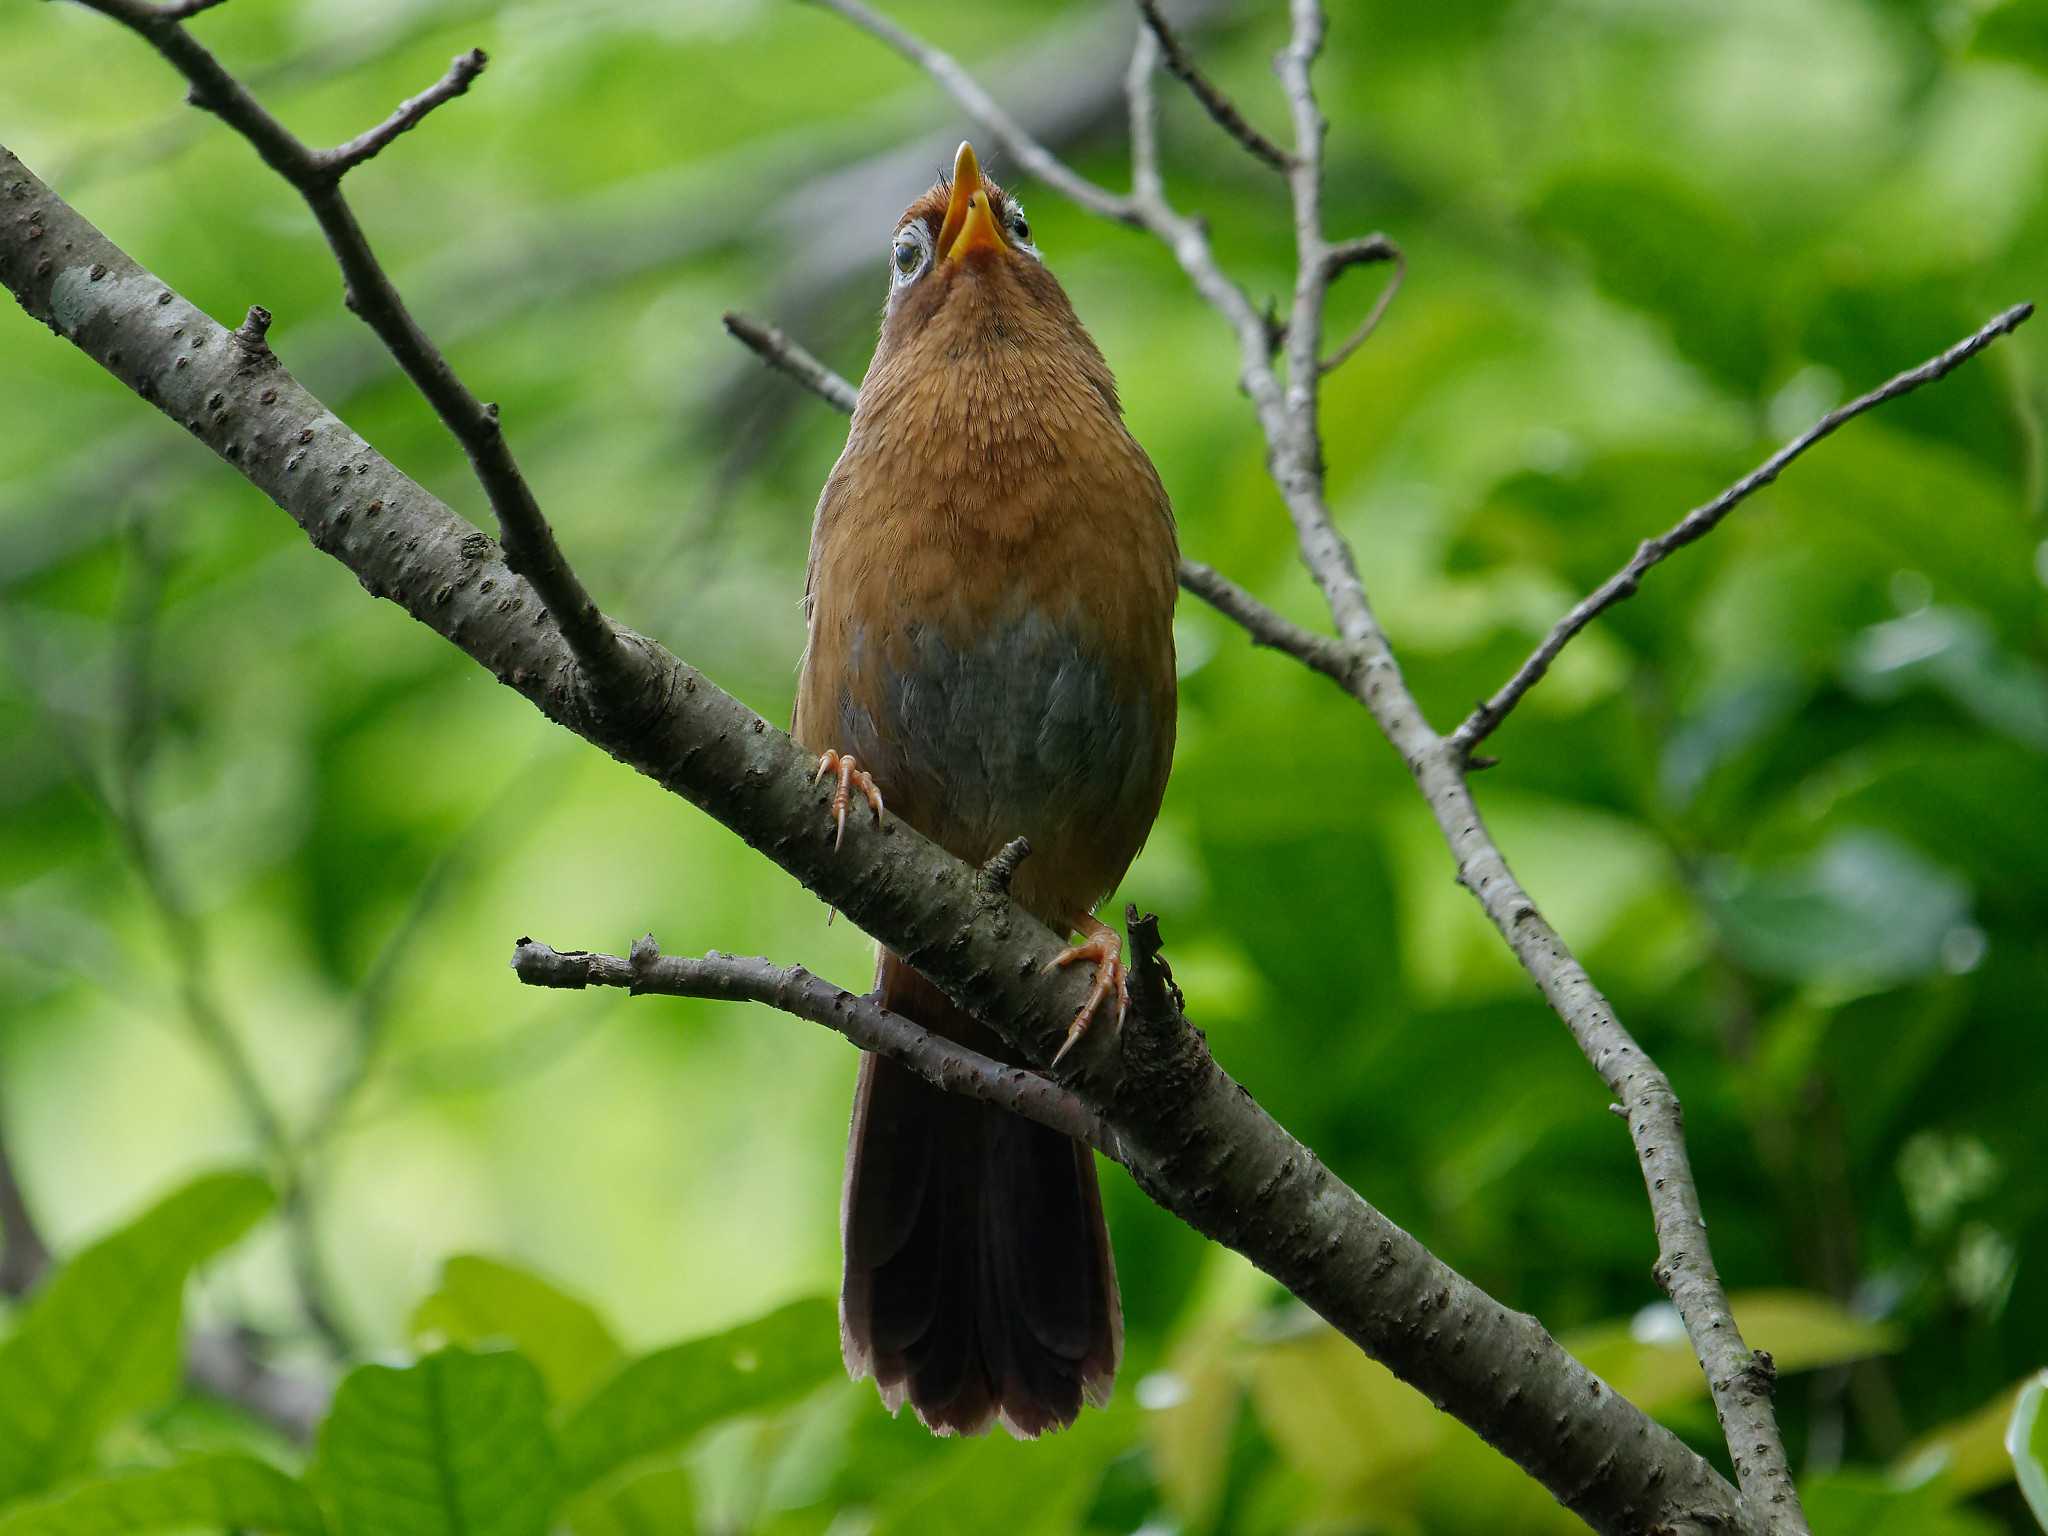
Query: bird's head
(970,299)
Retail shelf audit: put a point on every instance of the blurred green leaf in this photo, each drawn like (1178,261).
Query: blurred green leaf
(101,1339)
(661,1401)
(2015,30)
(1670,249)
(454,1445)
(1853,1502)
(1968,1454)
(482,1302)
(2026,1441)
(1018,1487)
(1953,652)
(235,1491)
(1864,910)
(663,1501)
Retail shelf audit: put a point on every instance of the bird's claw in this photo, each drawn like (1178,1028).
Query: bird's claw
(851,776)
(1106,950)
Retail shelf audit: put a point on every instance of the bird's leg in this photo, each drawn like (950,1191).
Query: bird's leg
(851,776)
(1106,950)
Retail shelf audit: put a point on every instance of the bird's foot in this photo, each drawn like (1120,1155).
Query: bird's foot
(1106,950)
(851,776)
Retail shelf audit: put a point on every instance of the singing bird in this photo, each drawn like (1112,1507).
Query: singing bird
(990,608)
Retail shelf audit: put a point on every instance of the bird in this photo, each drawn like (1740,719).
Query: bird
(989,655)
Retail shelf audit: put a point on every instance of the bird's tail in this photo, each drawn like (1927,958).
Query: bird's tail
(979,1282)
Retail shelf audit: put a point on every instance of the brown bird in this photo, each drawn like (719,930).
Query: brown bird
(992,577)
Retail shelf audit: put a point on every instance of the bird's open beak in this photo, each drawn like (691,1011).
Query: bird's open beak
(970,221)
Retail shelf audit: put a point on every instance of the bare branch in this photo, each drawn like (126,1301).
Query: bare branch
(1352,254)
(1322,653)
(774,348)
(225,1363)
(1195,1140)
(1214,102)
(1702,520)
(1033,156)
(343,158)
(529,542)
(732,978)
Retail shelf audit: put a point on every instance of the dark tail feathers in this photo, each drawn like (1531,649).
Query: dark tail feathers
(979,1282)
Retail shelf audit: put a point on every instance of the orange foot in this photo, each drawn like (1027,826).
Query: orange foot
(1106,950)
(851,776)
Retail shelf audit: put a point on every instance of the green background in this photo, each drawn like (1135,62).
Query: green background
(1790,805)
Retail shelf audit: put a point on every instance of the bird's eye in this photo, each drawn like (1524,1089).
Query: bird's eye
(910,253)
(1020,226)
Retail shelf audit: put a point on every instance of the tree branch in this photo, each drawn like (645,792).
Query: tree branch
(528,541)
(1702,520)
(343,158)
(1354,253)
(1034,157)
(1214,102)
(1195,1140)
(774,347)
(795,991)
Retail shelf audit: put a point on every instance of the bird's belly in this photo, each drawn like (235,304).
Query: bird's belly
(1021,729)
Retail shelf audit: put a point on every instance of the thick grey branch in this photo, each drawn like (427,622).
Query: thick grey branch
(1193,1138)
(529,542)
(794,990)
(1702,520)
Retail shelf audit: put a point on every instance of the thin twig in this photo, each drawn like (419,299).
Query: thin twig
(1214,102)
(1702,520)
(529,542)
(1371,323)
(1033,156)
(463,69)
(775,348)
(794,990)
(1321,653)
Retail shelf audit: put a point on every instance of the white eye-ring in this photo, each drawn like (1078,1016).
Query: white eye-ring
(910,254)
(1020,228)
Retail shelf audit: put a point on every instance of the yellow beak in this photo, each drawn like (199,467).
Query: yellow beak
(970,220)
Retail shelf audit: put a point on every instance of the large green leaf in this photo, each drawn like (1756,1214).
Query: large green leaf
(238,1492)
(101,1340)
(455,1445)
(481,1301)
(2026,1441)
(662,1400)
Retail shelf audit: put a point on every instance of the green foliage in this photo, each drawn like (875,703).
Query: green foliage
(101,1341)
(1786,803)
(455,1443)
(2026,1441)
(234,1491)
(662,1401)
(481,1302)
